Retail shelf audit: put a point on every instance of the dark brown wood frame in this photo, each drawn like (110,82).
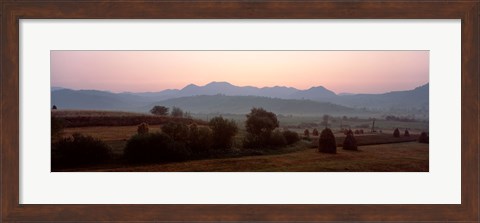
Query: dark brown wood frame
(12,11)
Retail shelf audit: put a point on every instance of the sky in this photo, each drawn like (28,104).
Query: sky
(152,71)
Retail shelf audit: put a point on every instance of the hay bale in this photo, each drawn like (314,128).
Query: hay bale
(326,142)
(396,133)
(142,128)
(350,143)
(356,132)
(315,132)
(306,133)
(423,138)
(406,133)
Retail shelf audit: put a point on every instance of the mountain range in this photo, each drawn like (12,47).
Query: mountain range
(223,97)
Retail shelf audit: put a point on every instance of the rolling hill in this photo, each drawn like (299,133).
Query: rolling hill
(223,97)
(242,105)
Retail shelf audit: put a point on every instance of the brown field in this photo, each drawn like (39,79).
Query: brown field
(379,152)
(77,118)
(392,155)
(398,157)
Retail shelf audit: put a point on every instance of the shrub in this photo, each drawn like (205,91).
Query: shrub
(154,147)
(291,137)
(79,150)
(326,142)
(223,131)
(423,138)
(396,133)
(159,110)
(200,139)
(315,132)
(176,130)
(350,143)
(277,139)
(306,133)
(142,128)
(406,133)
(177,112)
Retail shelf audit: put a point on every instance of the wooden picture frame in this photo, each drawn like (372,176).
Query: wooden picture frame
(12,11)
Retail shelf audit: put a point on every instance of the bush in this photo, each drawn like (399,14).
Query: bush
(142,128)
(423,138)
(277,139)
(291,137)
(200,140)
(350,143)
(315,132)
(79,150)
(406,133)
(176,130)
(326,142)
(223,131)
(154,147)
(159,110)
(396,133)
(177,112)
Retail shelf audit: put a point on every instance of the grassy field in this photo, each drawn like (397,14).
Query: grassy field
(403,157)
(378,151)
(85,118)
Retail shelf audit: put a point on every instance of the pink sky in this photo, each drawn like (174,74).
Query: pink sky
(144,71)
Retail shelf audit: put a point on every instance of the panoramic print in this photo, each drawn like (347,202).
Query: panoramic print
(239,111)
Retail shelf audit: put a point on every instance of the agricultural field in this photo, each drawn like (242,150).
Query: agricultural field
(377,151)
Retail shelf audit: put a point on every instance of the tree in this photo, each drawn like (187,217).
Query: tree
(200,139)
(159,110)
(260,124)
(325,120)
(223,131)
(54,107)
(176,130)
(177,112)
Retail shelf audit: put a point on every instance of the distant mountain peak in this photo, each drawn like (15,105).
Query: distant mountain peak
(219,83)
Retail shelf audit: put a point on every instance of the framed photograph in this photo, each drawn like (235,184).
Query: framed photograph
(239,111)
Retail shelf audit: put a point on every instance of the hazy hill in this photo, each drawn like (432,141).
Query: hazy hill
(193,98)
(243,104)
(417,98)
(92,99)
